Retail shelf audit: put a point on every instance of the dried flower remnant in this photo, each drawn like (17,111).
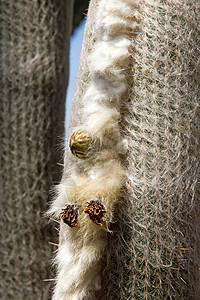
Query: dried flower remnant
(96,212)
(70,216)
(80,143)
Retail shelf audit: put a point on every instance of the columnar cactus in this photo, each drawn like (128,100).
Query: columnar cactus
(34,45)
(92,181)
(137,98)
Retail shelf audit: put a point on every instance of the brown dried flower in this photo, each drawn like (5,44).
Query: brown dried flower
(70,216)
(96,212)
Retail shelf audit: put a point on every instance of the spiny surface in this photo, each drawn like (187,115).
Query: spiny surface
(154,251)
(33,40)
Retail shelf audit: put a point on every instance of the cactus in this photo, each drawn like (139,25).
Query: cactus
(34,70)
(139,85)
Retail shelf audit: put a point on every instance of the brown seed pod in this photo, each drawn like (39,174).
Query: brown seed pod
(80,143)
(96,212)
(70,216)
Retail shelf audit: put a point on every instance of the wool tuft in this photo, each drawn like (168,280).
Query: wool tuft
(99,176)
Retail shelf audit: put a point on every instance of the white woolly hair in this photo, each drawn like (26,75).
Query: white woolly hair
(100,176)
(98,183)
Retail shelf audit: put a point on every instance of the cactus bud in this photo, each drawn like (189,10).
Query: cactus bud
(79,143)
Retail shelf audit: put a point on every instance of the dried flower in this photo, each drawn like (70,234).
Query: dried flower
(70,216)
(96,212)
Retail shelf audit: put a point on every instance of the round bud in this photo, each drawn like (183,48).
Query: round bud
(80,143)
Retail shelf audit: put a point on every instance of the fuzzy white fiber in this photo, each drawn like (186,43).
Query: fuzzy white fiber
(100,176)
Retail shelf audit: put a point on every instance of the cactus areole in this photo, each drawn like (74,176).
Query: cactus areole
(80,142)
